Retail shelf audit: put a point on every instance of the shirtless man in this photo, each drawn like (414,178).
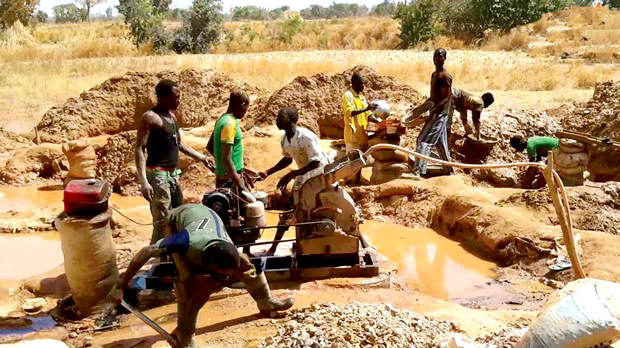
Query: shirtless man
(464,101)
(160,138)
(435,132)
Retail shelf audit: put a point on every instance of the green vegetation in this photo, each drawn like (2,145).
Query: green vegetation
(12,11)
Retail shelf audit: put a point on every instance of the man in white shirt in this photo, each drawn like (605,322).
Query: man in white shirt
(298,144)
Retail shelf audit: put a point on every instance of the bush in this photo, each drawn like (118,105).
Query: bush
(145,23)
(201,28)
(40,17)
(417,22)
(68,13)
(291,25)
(12,11)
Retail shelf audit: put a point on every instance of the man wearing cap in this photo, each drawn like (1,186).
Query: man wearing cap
(357,113)
(198,243)
(160,138)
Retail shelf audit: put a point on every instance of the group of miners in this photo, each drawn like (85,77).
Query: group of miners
(195,237)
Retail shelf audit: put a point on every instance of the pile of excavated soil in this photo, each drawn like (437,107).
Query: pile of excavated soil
(9,142)
(501,124)
(33,165)
(116,163)
(115,105)
(592,208)
(319,99)
(359,325)
(601,115)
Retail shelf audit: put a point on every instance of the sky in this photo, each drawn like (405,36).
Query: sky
(47,5)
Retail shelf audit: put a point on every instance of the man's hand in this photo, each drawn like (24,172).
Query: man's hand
(285,180)
(209,163)
(147,191)
(263,175)
(371,107)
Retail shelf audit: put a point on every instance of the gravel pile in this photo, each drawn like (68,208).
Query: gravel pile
(358,325)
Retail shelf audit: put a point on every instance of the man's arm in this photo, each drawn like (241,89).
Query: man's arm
(293,174)
(475,116)
(229,166)
(283,163)
(211,145)
(140,148)
(141,258)
(189,151)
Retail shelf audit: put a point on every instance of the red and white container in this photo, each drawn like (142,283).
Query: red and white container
(87,196)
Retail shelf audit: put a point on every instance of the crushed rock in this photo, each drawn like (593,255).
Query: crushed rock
(358,325)
(115,105)
(319,99)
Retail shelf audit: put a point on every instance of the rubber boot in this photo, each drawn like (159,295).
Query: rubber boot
(259,290)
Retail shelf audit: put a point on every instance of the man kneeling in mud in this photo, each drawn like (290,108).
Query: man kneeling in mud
(198,243)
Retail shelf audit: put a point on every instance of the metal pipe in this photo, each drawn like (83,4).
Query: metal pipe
(148,322)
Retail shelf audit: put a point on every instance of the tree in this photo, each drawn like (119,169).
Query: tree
(278,12)
(109,12)
(67,13)
(162,6)
(40,17)
(249,13)
(201,28)
(145,23)
(384,9)
(417,22)
(12,11)
(86,5)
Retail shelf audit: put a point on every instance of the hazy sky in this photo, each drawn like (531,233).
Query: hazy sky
(46,5)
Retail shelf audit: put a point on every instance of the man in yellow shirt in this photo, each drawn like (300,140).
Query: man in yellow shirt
(357,113)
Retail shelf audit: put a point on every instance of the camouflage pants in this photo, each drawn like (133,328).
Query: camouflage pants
(167,195)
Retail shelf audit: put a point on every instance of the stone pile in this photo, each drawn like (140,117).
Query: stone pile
(358,325)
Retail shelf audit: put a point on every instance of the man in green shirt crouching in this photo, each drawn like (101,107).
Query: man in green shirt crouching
(198,243)
(537,149)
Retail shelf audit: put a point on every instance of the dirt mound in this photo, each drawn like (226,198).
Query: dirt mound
(319,98)
(601,115)
(33,164)
(592,208)
(116,163)
(372,325)
(9,142)
(114,106)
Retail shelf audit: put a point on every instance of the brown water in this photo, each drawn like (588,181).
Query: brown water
(435,265)
(27,255)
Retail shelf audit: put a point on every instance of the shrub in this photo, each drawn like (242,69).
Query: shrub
(145,23)
(12,11)
(201,28)
(417,23)
(291,25)
(68,13)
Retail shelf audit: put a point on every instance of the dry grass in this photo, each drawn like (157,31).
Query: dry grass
(370,33)
(540,27)
(518,40)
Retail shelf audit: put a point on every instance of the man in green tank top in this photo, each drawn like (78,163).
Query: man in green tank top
(198,243)
(537,150)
